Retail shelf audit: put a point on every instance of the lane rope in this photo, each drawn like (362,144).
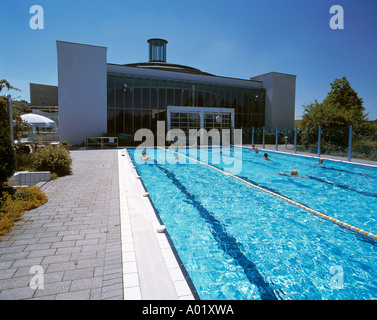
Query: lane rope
(315,212)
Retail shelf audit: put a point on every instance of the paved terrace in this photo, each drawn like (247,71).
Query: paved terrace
(95,239)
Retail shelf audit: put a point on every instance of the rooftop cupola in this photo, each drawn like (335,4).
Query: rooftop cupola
(157,50)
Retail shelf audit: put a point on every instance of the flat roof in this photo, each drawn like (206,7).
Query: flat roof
(81,44)
(179,75)
(274,72)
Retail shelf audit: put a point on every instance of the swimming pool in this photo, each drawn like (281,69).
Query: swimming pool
(238,242)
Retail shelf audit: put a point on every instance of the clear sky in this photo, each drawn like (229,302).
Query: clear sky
(240,38)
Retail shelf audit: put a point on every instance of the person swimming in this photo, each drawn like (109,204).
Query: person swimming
(144,156)
(294,173)
(253,147)
(266,157)
(320,161)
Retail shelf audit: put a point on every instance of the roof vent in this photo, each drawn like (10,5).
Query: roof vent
(157,50)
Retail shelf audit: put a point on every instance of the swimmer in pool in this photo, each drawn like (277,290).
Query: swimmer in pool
(320,161)
(294,173)
(144,156)
(266,157)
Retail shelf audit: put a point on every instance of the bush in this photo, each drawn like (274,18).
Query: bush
(13,206)
(7,158)
(55,159)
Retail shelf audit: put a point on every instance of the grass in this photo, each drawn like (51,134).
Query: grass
(12,207)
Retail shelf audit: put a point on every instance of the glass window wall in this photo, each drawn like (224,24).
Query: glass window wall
(139,102)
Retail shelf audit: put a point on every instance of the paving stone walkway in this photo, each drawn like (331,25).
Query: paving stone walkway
(75,238)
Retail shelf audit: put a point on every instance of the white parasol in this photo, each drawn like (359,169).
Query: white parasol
(36,120)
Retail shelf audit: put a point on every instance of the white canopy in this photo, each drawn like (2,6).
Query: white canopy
(37,120)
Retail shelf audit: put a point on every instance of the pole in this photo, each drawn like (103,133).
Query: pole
(295,146)
(350,143)
(263,137)
(252,135)
(276,139)
(319,141)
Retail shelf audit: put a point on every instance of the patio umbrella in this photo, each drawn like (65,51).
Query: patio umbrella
(36,120)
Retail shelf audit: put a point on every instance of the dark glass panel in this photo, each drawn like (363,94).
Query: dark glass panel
(215,91)
(207,95)
(238,120)
(200,95)
(146,93)
(170,93)
(186,93)
(110,121)
(137,93)
(137,119)
(246,121)
(128,95)
(110,91)
(245,96)
(154,94)
(193,95)
(119,94)
(119,121)
(234,97)
(228,94)
(146,119)
(240,101)
(129,115)
(221,96)
(162,94)
(178,93)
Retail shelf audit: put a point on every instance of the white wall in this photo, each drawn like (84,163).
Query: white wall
(82,82)
(280,99)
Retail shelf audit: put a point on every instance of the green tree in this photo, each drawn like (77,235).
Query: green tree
(341,108)
(7,157)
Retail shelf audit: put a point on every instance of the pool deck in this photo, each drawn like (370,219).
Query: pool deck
(95,239)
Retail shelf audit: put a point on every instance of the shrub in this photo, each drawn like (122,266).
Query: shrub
(7,159)
(13,206)
(55,159)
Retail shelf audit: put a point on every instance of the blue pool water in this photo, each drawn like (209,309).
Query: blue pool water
(237,242)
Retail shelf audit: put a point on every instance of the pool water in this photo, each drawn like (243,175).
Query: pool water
(237,242)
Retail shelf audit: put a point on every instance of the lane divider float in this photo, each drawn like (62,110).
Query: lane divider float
(315,212)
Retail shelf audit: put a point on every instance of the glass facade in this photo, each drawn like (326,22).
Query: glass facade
(135,102)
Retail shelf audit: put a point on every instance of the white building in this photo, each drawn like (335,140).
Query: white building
(97,97)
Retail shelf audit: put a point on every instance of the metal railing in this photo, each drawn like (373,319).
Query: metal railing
(101,142)
(345,142)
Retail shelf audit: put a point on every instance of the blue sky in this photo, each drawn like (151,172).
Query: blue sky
(228,38)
